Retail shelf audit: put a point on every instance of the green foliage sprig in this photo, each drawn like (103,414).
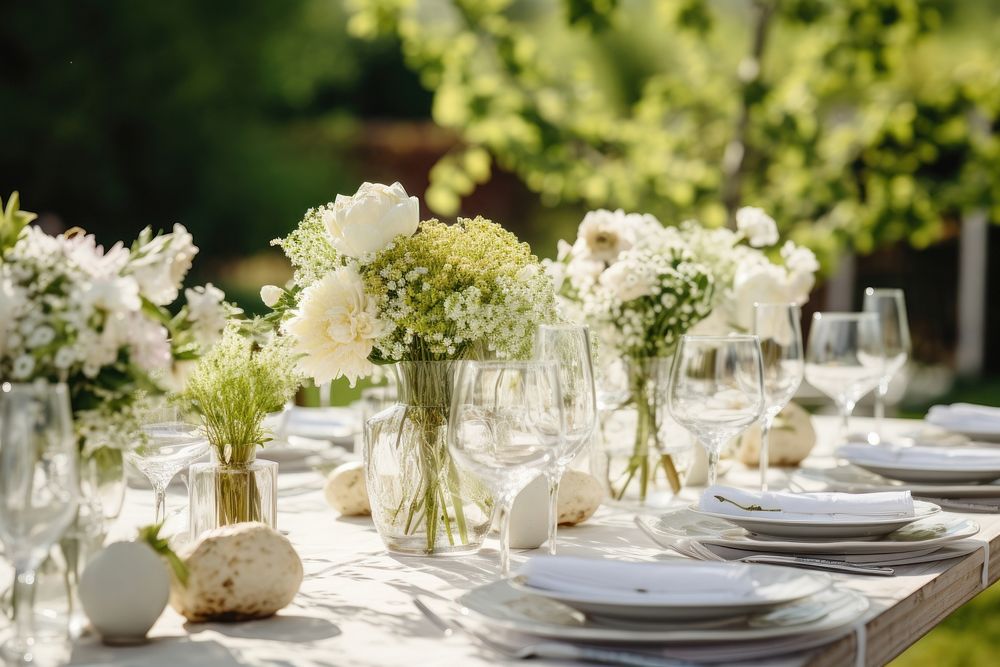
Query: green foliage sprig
(13,220)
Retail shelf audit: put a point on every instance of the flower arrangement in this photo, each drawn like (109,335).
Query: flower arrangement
(745,273)
(233,388)
(375,285)
(71,311)
(641,286)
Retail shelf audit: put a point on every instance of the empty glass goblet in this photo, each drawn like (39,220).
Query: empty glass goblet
(506,427)
(170,444)
(844,358)
(568,346)
(777,325)
(890,306)
(716,390)
(39,492)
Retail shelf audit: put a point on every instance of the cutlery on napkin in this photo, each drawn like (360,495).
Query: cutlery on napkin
(805,506)
(619,579)
(922,455)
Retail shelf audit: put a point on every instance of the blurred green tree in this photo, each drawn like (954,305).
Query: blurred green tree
(229,116)
(852,121)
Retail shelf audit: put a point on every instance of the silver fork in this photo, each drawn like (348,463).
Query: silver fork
(544,649)
(698,551)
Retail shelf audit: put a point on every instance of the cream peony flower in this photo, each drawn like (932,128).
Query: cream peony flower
(756,226)
(368,221)
(335,327)
(604,235)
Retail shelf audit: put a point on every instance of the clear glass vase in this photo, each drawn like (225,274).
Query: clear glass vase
(236,489)
(102,492)
(422,502)
(641,455)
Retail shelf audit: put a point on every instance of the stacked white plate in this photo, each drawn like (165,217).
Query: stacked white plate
(853,479)
(924,464)
(753,611)
(922,538)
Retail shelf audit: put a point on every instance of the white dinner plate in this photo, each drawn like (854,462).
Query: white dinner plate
(336,424)
(933,531)
(908,472)
(853,479)
(512,609)
(770,587)
(837,526)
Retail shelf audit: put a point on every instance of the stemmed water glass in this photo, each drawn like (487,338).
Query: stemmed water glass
(844,358)
(890,306)
(506,427)
(778,327)
(716,390)
(39,492)
(568,346)
(170,444)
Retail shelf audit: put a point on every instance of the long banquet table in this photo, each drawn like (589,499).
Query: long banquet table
(355,607)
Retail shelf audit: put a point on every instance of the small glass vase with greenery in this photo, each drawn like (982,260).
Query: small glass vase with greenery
(233,389)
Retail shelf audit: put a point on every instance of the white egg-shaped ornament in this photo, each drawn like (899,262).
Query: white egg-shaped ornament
(124,589)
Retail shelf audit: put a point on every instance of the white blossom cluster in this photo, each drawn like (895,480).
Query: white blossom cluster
(633,281)
(747,274)
(74,312)
(641,285)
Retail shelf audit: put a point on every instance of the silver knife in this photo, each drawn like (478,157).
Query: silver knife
(962,505)
(819,564)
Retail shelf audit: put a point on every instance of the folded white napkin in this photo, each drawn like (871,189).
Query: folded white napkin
(965,416)
(610,580)
(805,506)
(959,458)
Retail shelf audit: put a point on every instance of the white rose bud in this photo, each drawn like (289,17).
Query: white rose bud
(371,219)
(756,226)
(270,294)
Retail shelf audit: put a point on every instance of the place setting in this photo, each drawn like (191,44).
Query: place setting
(670,609)
(859,533)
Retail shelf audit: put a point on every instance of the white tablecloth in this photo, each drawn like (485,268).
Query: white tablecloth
(355,607)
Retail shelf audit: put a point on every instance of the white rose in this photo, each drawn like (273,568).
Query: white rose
(757,283)
(756,226)
(627,281)
(371,219)
(270,294)
(335,327)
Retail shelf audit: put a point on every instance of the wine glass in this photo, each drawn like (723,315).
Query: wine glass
(778,327)
(844,358)
(169,444)
(716,389)
(506,427)
(568,346)
(39,492)
(890,306)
